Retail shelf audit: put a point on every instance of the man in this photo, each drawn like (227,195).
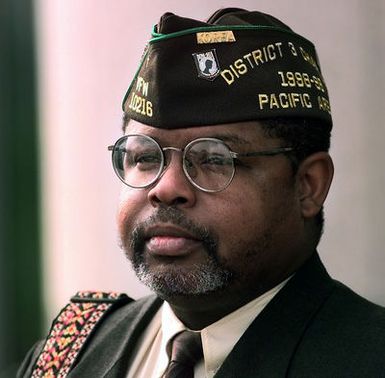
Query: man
(225,166)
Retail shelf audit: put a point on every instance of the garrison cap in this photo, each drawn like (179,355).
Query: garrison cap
(237,66)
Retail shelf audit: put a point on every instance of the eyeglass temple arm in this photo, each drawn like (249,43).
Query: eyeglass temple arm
(111,148)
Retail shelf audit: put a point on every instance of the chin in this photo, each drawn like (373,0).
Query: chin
(198,280)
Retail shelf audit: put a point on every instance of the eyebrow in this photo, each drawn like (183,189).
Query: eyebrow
(231,138)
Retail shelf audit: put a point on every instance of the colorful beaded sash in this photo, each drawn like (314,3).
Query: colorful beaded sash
(71,329)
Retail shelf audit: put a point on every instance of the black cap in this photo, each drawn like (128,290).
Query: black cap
(237,66)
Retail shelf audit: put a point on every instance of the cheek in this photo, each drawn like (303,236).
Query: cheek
(235,218)
(254,219)
(243,206)
(131,204)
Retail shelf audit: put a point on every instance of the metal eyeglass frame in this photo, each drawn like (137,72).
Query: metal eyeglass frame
(163,165)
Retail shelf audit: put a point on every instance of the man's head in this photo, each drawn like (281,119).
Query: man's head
(261,92)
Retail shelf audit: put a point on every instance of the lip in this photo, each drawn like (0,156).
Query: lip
(170,241)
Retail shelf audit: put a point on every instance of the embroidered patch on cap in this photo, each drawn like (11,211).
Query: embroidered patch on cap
(215,37)
(207,64)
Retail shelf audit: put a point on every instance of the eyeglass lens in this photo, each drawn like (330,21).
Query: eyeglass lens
(139,162)
(209,164)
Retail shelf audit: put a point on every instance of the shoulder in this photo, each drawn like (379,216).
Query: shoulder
(338,332)
(351,313)
(89,320)
(347,334)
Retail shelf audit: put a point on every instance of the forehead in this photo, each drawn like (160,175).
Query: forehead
(247,133)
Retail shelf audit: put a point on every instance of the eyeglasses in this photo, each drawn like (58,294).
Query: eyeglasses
(208,163)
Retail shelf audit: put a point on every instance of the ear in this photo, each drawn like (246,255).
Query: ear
(314,177)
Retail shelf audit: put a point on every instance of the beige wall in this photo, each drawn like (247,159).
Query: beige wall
(88,53)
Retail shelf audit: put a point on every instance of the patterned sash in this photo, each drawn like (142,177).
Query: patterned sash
(71,329)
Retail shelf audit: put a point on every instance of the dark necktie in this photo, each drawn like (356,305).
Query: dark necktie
(184,351)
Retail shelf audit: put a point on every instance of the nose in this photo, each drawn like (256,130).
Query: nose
(173,187)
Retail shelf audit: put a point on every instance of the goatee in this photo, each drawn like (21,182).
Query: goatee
(199,279)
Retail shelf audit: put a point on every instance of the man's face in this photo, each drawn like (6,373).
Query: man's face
(241,241)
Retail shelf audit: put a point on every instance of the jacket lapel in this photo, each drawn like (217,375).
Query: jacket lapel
(109,353)
(267,347)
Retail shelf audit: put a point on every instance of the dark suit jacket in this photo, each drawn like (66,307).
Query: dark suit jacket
(314,327)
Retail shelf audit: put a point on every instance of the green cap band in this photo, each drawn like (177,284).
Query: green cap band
(237,66)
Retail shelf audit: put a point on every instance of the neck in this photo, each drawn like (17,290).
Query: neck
(198,312)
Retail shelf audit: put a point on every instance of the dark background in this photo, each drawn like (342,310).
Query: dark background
(20,298)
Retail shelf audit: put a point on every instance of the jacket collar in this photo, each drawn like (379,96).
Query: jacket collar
(269,344)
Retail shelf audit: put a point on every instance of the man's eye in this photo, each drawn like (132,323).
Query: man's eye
(142,161)
(216,160)
(147,159)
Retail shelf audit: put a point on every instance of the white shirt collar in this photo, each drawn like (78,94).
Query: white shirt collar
(219,338)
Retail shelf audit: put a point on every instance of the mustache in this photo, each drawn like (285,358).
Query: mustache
(173,216)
